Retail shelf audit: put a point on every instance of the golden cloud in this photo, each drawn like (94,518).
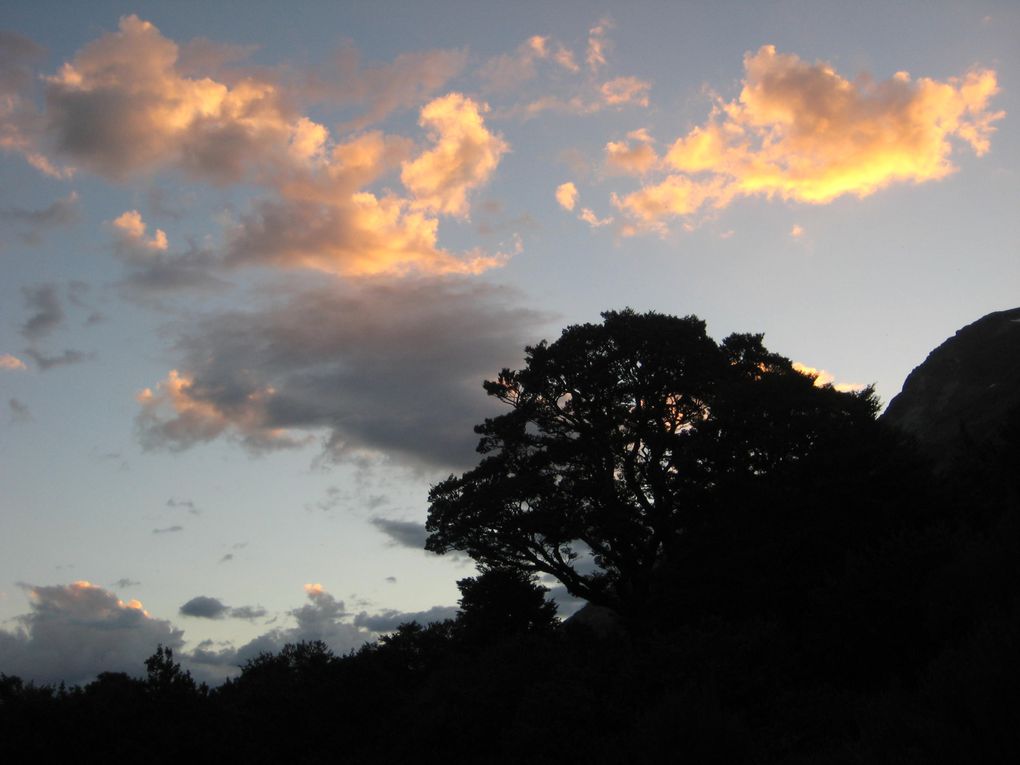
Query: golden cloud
(130,228)
(464,156)
(634,157)
(175,415)
(7,361)
(566,195)
(822,378)
(800,131)
(625,90)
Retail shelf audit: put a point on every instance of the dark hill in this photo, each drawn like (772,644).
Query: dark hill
(964,400)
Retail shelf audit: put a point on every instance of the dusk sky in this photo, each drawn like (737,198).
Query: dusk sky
(256,261)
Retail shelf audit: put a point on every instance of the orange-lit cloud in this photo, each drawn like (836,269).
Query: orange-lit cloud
(566,195)
(823,378)
(589,217)
(130,228)
(176,415)
(796,231)
(464,156)
(625,90)
(800,131)
(7,361)
(598,45)
(636,157)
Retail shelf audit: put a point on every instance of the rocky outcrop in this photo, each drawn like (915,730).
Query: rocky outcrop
(964,400)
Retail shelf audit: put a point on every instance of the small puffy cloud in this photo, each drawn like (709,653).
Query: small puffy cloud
(800,131)
(204,607)
(403,533)
(566,195)
(73,632)
(46,311)
(130,228)
(823,378)
(634,157)
(389,621)
(625,90)
(7,361)
(463,158)
(796,231)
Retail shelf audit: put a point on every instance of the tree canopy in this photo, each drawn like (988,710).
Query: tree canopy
(623,440)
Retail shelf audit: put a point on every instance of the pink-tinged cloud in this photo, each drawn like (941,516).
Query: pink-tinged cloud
(123,106)
(175,415)
(636,156)
(131,231)
(799,131)
(566,195)
(625,90)
(589,217)
(464,156)
(598,45)
(7,361)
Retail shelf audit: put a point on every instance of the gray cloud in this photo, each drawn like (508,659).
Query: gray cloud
(73,632)
(404,533)
(46,311)
(19,411)
(183,504)
(124,583)
(204,607)
(392,368)
(227,558)
(62,212)
(168,530)
(388,621)
(66,358)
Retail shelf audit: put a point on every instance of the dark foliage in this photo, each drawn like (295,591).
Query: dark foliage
(834,601)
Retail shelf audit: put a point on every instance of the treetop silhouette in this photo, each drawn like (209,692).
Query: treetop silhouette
(623,440)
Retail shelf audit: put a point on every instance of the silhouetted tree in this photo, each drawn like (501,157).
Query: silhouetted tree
(503,602)
(624,440)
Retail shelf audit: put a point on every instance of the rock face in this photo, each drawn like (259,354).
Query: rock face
(965,398)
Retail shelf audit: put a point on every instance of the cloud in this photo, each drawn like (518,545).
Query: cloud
(47,313)
(800,131)
(73,632)
(204,607)
(186,504)
(566,195)
(796,231)
(383,367)
(7,361)
(123,106)
(130,230)
(823,378)
(68,357)
(168,530)
(62,212)
(389,620)
(636,157)
(403,533)
(406,82)
(589,217)
(19,411)
(21,125)
(598,45)
(124,583)
(463,158)
(227,558)
(621,91)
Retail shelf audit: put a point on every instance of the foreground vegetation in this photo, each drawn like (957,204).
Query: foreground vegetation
(817,593)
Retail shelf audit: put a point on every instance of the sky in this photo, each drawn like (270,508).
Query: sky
(256,261)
